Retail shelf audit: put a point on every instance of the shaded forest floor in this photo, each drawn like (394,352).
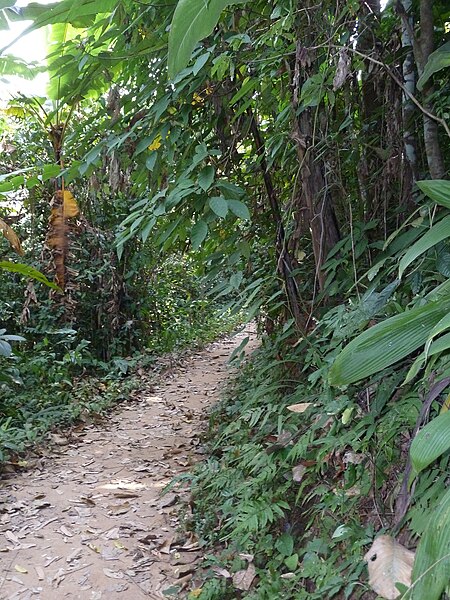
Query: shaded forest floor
(88,520)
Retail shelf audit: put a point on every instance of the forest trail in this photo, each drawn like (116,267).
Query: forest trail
(88,522)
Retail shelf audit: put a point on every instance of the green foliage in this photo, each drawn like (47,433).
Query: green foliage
(192,21)
(439,59)
(432,563)
(431,442)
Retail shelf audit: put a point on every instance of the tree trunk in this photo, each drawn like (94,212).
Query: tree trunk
(410,166)
(430,127)
(315,197)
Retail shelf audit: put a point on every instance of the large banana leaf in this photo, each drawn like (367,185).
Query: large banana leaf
(433,236)
(431,571)
(431,442)
(386,343)
(438,190)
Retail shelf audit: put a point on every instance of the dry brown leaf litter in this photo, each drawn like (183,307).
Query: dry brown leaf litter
(89,522)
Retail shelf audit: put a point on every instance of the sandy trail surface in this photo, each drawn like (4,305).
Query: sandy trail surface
(89,521)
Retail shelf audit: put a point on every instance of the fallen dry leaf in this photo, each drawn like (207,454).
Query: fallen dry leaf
(297,472)
(113,574)
(221,572)
(242,580)
(20,569)
(300,408)
(389,563)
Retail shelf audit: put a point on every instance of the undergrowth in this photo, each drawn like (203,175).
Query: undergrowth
(301,495)
(57,381)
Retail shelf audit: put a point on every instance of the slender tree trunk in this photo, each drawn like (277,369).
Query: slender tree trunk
(430,127)
(315,195)
(410,166)
(284,260)
(372,94)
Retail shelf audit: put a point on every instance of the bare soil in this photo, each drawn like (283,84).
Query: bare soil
(89,520)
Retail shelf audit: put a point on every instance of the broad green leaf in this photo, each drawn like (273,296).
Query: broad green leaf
(313,90)
(27,271)
(437,189)
(432,563)
(439,59)
(248,85)
(12,65)
(440,345)
(198,234)
(192,21)
(433,236)
(439,328)
(206,177)
(239,209)
(50,171)
(386,343)
(219,206)
(431,442)
(291,562)
(285,544)
(200,62)
(79,14)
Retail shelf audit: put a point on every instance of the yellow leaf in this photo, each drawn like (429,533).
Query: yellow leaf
(11,236)
(197,99)
(119,545)
(156,143)
(15,111)
(446,405)
(195,593)
(70,205)
(20,569)
(299,408)
(94,548)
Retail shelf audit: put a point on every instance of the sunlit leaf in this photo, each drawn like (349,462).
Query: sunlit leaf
(27,271)
(192,21)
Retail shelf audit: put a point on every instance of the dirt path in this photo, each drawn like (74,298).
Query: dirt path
(89,522)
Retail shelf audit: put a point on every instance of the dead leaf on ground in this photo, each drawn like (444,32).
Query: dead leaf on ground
(168,500)
(119,509)
(389,563)
(221,572)
(65,531)
(164,548)
(113,574)
(242,580)
(297,472)
(300,408)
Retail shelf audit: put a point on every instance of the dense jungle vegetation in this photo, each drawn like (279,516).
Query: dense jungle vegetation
(201,164)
